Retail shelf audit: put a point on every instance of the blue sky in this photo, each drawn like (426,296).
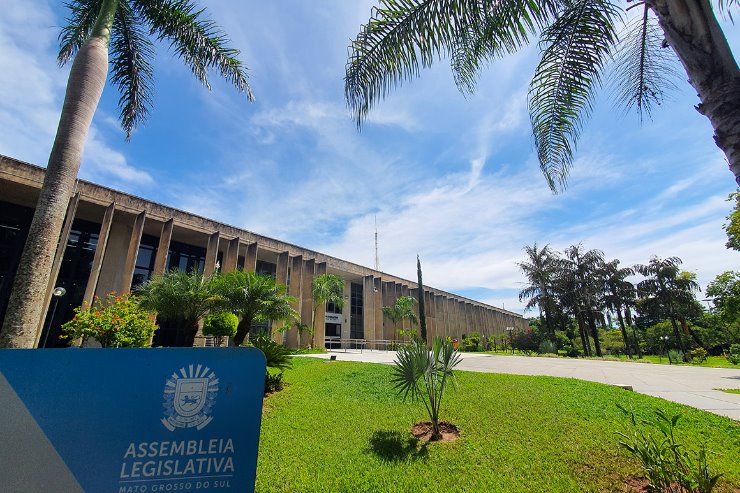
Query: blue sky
(454,179)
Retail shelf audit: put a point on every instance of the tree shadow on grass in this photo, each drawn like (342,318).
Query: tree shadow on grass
(394,446)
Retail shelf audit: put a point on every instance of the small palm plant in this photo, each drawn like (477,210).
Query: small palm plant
(423,375)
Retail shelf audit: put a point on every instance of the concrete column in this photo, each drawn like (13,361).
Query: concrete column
(160,260)
(347,310)
(306,298)
(388,292)
(58,257)
(232,256)
(320,322)
(368,307)
(294,290)
(92,280)
(211,254)
(281,276)
(131,253)
(250,258)
(431,319)
(378,306)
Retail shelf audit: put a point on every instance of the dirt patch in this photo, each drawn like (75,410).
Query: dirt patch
(423,431)
(636,485)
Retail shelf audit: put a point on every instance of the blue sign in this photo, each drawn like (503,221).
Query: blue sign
(130,420)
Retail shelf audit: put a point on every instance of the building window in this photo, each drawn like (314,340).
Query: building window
(266,268)
(144,268)
(356,326)
(186,257)
(14,223)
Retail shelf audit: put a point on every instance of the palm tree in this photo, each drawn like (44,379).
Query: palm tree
(666,289)
(95,27)
(619,293)
(402,309)
(581,285)
(578,40)
(253,297)
(326,288)
(180,299)
(539,268)
(423,374)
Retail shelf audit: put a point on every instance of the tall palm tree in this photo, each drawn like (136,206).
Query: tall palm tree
(180,299)
(253,297)
(619,293)
(95,28)
(582,270)
(402,309)
(539,268)
(326,288)
(665,288)
(578,39)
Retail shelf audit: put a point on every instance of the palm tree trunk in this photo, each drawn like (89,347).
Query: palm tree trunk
(84,88)
(677,334)
(584,335)
(242,331)
(594,333)
(624,332)
(693,32)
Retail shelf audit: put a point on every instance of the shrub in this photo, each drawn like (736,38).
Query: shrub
(274,382)
(119,322)
(220,325)
(277,357)
(524,340)
(675,356)
(572,351)
(699,355)
(547,347)
(734,356)
(666,462)
(471,342)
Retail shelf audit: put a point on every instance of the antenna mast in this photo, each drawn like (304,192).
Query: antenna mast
(377,262)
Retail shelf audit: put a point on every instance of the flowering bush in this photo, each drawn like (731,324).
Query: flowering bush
(119,322)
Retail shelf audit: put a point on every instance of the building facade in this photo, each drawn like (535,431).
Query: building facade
(113,241)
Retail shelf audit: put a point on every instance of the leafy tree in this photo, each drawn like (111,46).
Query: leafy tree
(326,288)
(667,290)
(119,322)
(423,374)
(253,297)
(540,271)
(577,38)
(422,303)
(724,291)
(94,28)
(402,309)
(732,227)
(220,325)
(180,300)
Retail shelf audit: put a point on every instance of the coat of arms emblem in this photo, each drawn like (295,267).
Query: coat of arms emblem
(189,398)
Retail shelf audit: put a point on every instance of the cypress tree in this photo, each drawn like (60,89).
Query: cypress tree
(422,314)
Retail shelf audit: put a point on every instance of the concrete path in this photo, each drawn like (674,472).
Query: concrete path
(690,385)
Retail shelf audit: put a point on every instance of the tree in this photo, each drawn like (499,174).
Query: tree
(619,293)
(402,309)
(95,27)
(539,268)
(667,290)
(180,299)
(326,288)
(578,39)
(253,297)
(732,227)
(220,325)
(422,304)
(724,291)
(423,374)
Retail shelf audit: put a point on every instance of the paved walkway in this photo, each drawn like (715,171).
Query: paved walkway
(690,385)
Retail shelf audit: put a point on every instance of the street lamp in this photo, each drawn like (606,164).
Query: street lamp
(57,293)
(510,330)
(665,347)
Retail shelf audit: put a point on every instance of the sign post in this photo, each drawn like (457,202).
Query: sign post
(130,420)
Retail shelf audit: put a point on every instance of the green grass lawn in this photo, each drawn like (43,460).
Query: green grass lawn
(711,362)
(338,426)
(730,391)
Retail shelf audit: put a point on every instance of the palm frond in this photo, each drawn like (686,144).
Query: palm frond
(131,67)
(644,70)
(561,92)
(197,40)
(80,21)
